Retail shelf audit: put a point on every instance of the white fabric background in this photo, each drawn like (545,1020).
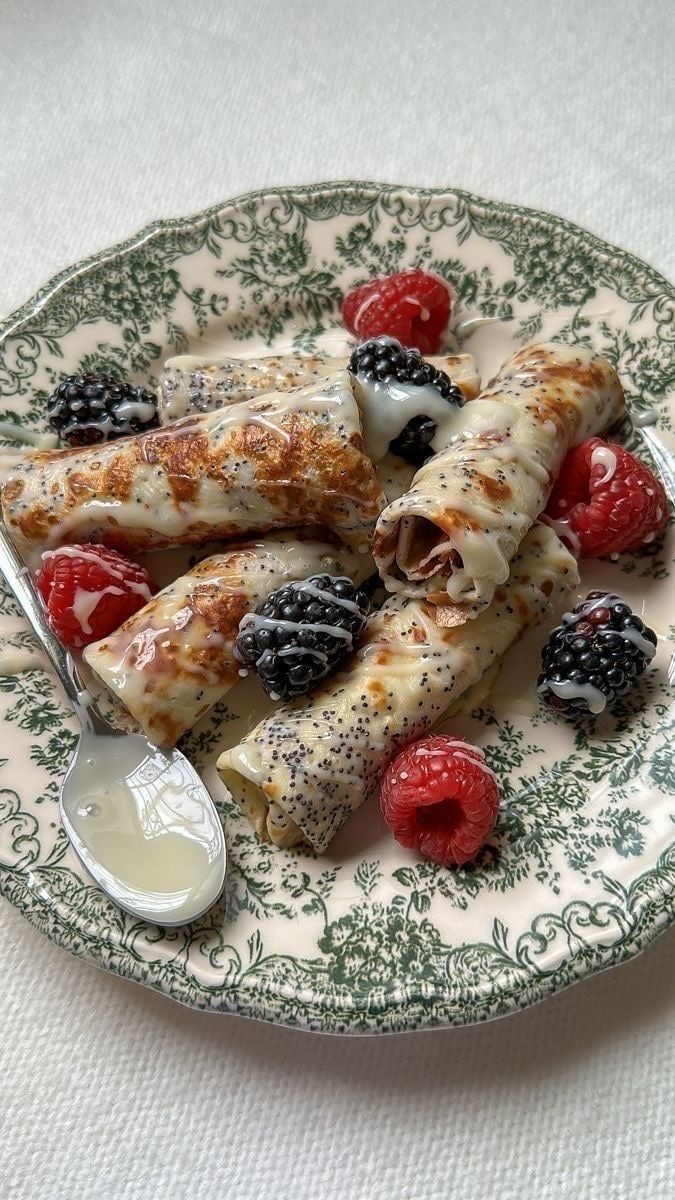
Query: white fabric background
(113,113)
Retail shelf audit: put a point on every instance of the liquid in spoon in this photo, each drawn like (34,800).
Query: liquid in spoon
(138,816)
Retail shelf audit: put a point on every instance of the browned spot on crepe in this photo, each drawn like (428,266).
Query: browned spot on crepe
(384,545)
(309,471)
(12,490)
(494,489)
(591,376)
(521,605)
(452,519)
(309,451)
(439,599)
(382,657)
(376,690)
(449,616)
(184,456)
(37,523)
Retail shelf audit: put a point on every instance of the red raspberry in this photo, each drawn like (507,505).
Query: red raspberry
(612,501)
(440,797)
(89,591)
(413,307)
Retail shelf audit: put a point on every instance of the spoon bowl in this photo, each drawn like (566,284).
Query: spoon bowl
(139,817)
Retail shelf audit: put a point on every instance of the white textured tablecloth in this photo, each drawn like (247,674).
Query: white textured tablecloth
(113,113)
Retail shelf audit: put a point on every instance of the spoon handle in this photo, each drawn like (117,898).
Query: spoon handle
(28,598)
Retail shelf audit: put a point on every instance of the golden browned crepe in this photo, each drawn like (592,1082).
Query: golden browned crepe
(191,384)
(284,460)
(173,659)
(451,538)
(309,765)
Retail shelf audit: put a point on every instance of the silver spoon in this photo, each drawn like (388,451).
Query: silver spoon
(139,818)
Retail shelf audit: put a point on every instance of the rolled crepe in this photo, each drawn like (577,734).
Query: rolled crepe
(451,538)
(190,384)
(284,460)
(306,768)
(173,659)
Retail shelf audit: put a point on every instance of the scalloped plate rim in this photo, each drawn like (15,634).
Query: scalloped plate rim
(40,297)
(268,1003)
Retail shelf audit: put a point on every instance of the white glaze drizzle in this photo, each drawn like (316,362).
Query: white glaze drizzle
(328,597)
(561,526)
(262,622)
(140,410)
(85,603)
(247,761)
(386,407)
(125,412)
(299,749)
(363,308)
(607,458)
(287,650)
(257,621)
(29,437)
(512,453)
(133,585)
(403,535)
(269,414)
(125,660)
(567,689)
(644,646)
(190,383)
(329,404)
(459,749)
(506,452)
(607,599)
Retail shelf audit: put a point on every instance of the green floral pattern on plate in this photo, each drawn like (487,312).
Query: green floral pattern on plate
(580,872)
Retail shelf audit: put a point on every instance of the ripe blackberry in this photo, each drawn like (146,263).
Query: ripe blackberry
(595,655)
(384,359)
(301,633)
(84,409)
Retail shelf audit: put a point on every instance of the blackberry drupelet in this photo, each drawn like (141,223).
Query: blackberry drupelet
(384,359)
(595,656)
(301,633)
(414,442)
(90,408)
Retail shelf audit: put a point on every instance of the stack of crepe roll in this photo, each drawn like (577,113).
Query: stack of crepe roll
(285,478)
(285,459)
(470,570)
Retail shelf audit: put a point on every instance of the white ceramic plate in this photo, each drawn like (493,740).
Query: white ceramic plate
(580,872)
